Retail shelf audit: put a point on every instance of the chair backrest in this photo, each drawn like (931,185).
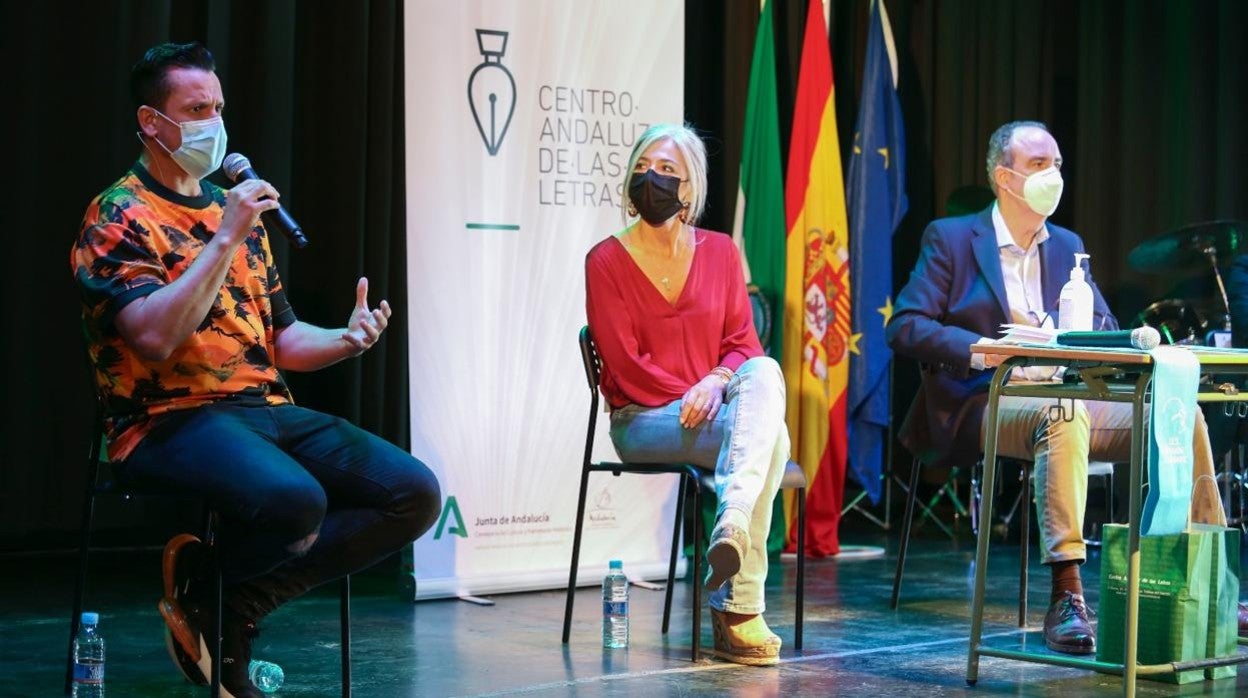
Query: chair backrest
(762,316)
(589,357)
(101,476)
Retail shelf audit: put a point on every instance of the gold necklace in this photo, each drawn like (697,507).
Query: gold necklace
(665,281)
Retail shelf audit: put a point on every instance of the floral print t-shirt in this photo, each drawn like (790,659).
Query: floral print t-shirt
(137,236)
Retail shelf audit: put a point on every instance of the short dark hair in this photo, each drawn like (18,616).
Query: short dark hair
(148,83)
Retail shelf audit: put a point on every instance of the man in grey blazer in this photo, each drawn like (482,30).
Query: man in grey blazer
(1007,263)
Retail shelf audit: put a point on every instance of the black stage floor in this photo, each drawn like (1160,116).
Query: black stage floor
(855,645)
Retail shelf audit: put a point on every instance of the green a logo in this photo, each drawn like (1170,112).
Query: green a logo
(451,508)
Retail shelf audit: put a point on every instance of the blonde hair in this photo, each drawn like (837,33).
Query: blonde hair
(691,149)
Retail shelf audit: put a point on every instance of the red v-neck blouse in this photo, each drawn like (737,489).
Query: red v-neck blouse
(653,351)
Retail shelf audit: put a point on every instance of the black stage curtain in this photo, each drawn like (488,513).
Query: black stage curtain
(314,98)
(1145,97)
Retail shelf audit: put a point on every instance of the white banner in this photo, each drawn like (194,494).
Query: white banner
(520,116)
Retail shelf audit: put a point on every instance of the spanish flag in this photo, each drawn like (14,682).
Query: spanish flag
(817,337)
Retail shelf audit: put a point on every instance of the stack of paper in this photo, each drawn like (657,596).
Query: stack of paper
(1014,333)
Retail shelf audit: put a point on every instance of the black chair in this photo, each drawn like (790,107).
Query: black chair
(1022,505)
(794,479)
(1091,528)
(101,483)
(760,311)
(691,479)
(908,520)
(688,488)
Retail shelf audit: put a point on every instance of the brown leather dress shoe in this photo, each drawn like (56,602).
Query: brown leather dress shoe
(1066,626)
(1243,619)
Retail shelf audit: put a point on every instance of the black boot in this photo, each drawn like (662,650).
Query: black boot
(237,634)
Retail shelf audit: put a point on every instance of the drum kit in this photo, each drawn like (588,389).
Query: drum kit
(1189,251)
(1193,249)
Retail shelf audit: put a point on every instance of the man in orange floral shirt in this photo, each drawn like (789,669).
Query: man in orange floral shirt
(187,326)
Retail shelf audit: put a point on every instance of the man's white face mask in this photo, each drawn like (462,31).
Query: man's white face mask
(203,145)
(1041,190)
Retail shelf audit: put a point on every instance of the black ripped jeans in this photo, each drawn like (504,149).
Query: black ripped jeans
(277,475)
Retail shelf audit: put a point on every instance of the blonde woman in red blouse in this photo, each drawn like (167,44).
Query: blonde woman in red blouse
(684,374)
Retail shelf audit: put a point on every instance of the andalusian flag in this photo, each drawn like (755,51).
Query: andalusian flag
(759,226)
(877,201)
(815,351)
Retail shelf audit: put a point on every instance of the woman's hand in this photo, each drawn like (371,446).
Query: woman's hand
(702,401)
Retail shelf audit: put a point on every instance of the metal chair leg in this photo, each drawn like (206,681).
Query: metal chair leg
(948,489)
(697,567)
(209,539)
(344,618)
(1092,530)
(1109,500)
(801,568)
(671,564)
(80,583)
(977,475)
(576,554)
(905,530)
(1024,545)
(216,640)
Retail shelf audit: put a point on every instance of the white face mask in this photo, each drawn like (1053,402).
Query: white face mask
(1042,190)
(203,145)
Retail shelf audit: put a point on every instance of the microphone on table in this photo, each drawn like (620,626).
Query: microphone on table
(1144,338)
(238,168)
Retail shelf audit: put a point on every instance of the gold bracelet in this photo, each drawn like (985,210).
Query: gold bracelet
(723,372)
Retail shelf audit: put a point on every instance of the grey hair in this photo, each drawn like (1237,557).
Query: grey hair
(691,149)
(999,146)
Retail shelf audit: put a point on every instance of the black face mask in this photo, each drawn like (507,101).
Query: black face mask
(655,196)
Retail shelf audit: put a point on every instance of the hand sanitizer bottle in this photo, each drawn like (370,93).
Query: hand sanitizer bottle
(1074,306)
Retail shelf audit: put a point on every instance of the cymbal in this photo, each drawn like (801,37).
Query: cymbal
(1187,249)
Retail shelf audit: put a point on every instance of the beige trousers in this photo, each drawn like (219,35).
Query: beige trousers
(1061,449)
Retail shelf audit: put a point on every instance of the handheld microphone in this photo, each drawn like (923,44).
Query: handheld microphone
(1144,338)
(238,168)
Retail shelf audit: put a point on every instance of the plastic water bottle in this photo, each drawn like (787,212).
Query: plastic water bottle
(267,676)
(89,658)
(615,607)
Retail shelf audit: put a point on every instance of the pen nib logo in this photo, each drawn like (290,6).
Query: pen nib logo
(492,90)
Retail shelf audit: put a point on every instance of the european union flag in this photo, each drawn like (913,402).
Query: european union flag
(875,190)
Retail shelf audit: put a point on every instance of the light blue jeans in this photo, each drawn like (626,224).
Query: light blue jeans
(747,445)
